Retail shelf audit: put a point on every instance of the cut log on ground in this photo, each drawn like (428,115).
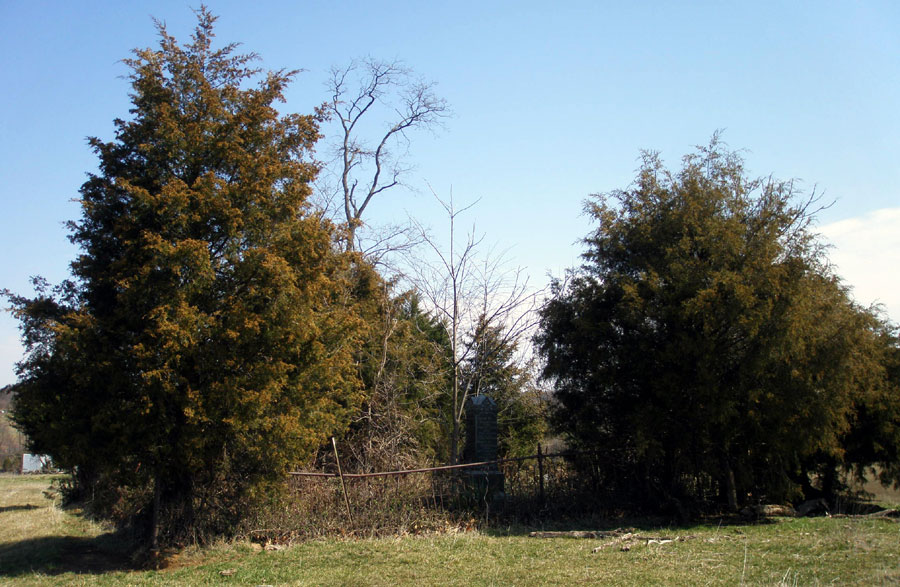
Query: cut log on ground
(768,511)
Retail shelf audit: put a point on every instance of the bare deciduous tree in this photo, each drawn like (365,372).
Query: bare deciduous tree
(365,168)
(464,291)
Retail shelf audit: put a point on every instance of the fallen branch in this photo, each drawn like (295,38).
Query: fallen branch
(627,540)
(884,514)
(891,515)
(579,534)
(625,537)
(628,537)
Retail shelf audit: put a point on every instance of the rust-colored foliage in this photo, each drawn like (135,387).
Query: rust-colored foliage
(205,342)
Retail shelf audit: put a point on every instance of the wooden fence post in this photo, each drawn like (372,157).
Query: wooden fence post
(341,475)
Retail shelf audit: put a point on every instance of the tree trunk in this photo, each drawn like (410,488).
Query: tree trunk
(154,516)
(454,439)
(829,480)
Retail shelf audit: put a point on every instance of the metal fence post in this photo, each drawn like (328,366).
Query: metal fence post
(341,475)
(540,460)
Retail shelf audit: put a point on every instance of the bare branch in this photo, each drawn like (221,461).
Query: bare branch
(465,290)
(360,93)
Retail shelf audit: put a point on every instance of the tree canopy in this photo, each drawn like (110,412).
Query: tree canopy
(704,343)
(218,327)
(205,341)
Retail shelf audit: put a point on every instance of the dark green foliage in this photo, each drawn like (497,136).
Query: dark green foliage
(873,438)
(206,342)
(493,369)
(704,346)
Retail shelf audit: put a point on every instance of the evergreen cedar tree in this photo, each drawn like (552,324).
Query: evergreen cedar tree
(707,351)
(492,369)
(206,341)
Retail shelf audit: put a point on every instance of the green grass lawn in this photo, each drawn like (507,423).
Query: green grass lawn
(41,545)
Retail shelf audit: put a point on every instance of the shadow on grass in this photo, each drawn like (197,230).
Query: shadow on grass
(18,508)
(576,522)
(606,521)
(585,526)
(55,555)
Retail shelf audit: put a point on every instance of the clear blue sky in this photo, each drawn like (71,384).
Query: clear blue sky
(552,102)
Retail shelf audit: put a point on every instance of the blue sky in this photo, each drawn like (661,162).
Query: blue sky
(552,102)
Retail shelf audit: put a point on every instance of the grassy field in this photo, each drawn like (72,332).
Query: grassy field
(42,545)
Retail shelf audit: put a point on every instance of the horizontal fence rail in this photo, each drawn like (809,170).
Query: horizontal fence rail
(433,469)
(424,499)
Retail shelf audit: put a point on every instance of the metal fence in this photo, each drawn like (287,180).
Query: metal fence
(440,498)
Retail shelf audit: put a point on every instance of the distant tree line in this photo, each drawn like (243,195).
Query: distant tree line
(225,318)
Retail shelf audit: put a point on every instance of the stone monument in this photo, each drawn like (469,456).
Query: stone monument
(481,446)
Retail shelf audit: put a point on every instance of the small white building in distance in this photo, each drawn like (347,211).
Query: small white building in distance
(35,463)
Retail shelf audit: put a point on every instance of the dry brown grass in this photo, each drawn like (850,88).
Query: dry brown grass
(887,496)
(28,513)
(37,537)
